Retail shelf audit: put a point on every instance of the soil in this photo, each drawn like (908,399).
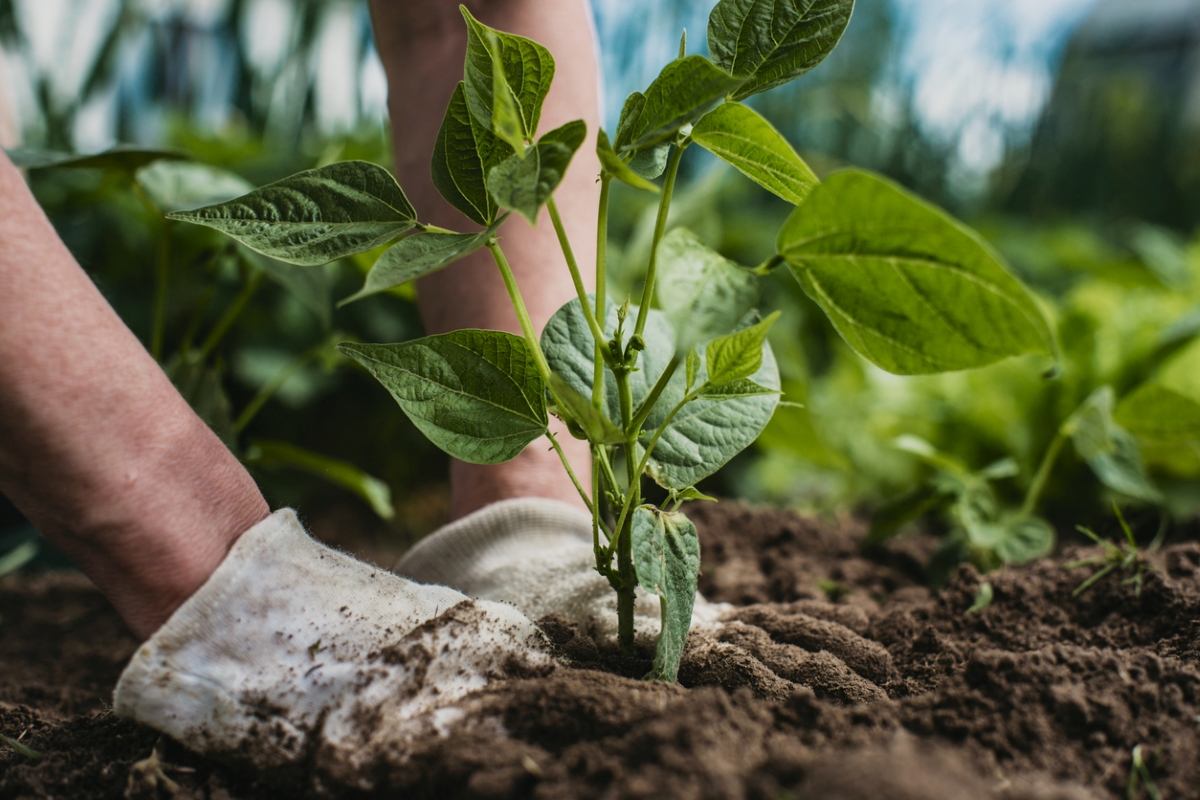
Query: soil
(836,676)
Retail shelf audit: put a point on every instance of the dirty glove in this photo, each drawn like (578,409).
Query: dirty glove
(292,650)
(537,555)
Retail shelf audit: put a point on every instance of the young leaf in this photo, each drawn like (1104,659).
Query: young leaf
(743,387)
(528,69)
(475,394)
(738,135)
(506,119)
(463,155)
(739,355)
(704,435)
(907,286)
(692,365)
(648,162)
(316,216)
(184,185)
(1109,449)
(124,158)
(617,168)
(279,455)
(703,293)
(418,255)
(666,555)
(598,427)
(525,184)
(770,42)
(1168,405)
(1011,539)
(680,95)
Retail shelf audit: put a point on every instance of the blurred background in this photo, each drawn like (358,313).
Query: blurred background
(1066,131)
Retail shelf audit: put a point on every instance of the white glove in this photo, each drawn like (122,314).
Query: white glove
(292,649)
(537,555)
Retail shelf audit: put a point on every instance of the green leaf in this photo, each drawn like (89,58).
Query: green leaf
(738,135)
(647,162)
(595,424)
(506,119)
(1012,539)
(735,357)
(704,435)
(316,216)
(23,750)
(1109,449)
(617,168)
(475,394)
(463,155)
(527,67)
(692,365)
(983,598)
(277,455)
(123,158)
(185,185)
(681,94)
(770,42)
(312,286)
(19,556)
(1168,405)
(908,287)
(703,293)
(418,255)
(525,184)
(739,388)
(666,555)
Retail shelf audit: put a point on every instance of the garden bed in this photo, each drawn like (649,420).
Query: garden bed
(1039,695)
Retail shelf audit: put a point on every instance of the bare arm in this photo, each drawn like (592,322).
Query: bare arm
(422,45)
(97,448)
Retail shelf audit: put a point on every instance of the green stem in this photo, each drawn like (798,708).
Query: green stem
(231,314)
(601,289)
(1043,474)
(576,277)
(574,479)
(649,400)
(660,226)
(518,304)
(161,269)
(268,391)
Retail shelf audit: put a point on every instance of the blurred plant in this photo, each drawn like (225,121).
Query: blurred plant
(1124,556)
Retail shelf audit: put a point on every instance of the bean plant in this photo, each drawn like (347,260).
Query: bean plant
(671,384)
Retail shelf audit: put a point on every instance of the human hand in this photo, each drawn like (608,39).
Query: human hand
(537,555)
(294,651)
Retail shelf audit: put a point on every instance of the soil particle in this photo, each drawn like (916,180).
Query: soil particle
(887,693)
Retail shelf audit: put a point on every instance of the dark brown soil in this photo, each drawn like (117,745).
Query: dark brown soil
(886,693)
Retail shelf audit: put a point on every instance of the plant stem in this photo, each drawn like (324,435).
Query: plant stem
(576,277)
(601,289)
(161,269)
(518,304)
(231,314)
(660,225)
(625,571)
(574,479)
(1043,474)
(650,399)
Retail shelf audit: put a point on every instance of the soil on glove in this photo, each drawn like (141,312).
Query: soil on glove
(836,676)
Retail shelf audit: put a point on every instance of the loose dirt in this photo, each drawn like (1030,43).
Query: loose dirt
(835,676)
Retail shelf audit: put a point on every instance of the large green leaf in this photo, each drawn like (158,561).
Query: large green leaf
(184,185)
(416,256)
(682,92)
(124,158)
(316,216)
(1110,450)
(463,155)
(647,162)
(524,184)
(528,69)
(907,286)
(704,435)
(702,293)
(666,554)
(616,167)
(475,394)
(738,135)
(770,42)
(281,455)
(1168,405)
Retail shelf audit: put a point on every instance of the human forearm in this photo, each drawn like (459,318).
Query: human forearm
(96,447)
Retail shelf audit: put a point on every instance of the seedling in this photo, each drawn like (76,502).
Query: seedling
(672,384)
(1126,557)
(23,750)
(983,599)
(1139,773)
